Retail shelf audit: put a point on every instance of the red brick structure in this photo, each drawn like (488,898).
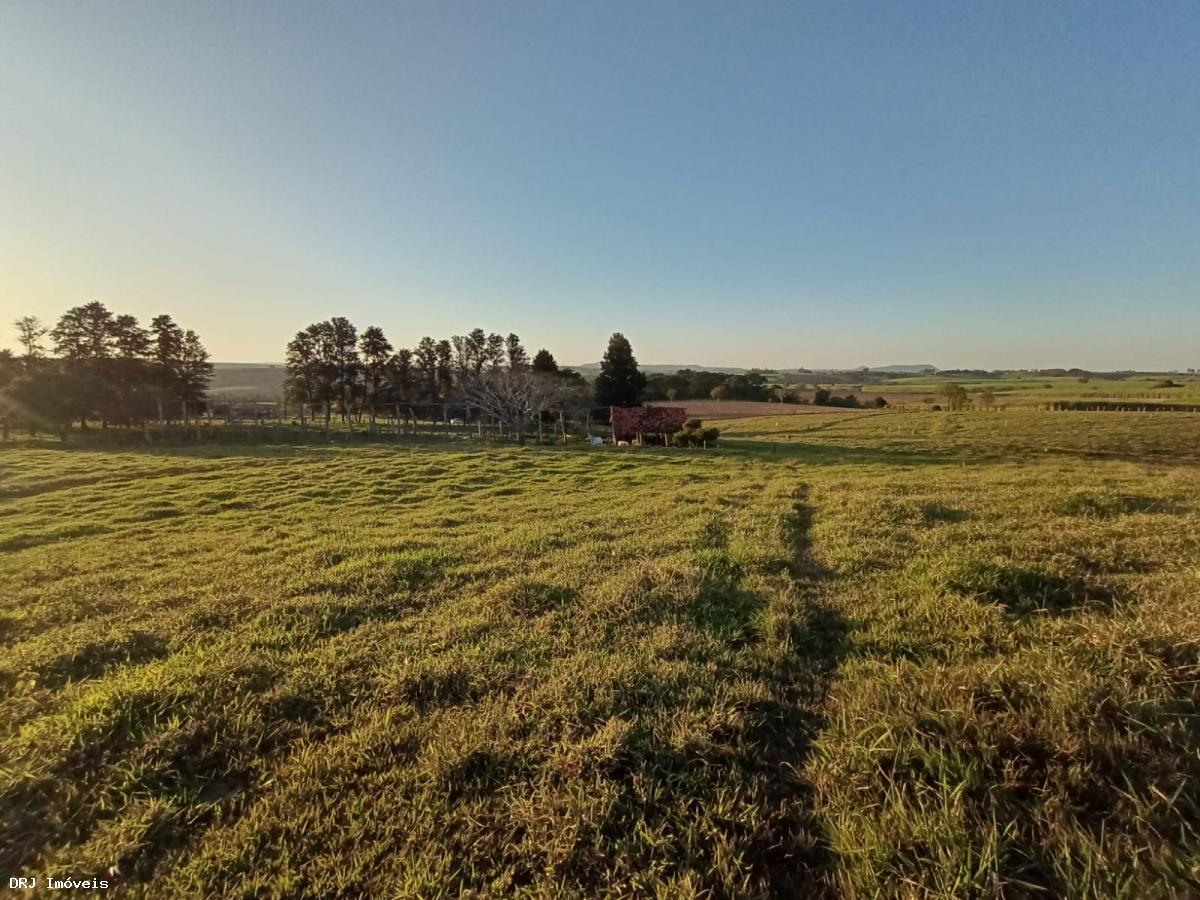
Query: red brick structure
(640,422)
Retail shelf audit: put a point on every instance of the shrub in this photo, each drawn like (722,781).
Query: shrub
(694,434)
(955,396)
(847,402)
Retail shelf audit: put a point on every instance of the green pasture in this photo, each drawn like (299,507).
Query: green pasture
(901,654)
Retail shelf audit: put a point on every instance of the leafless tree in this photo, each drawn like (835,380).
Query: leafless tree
(515,398)
(30,332)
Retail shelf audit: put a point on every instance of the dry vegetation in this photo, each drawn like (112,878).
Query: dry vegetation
(905,654)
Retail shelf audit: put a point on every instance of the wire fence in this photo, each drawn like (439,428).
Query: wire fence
(265,423)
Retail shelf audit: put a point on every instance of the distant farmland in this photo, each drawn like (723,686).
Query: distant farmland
(740,409)
(247,381)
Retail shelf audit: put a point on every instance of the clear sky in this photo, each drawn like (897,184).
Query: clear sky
(781,184)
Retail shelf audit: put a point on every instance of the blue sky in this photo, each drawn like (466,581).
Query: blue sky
(963,184)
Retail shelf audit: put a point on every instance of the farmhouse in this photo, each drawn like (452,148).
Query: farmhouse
(647,424)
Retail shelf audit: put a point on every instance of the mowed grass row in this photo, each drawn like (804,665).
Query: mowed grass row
(934,667)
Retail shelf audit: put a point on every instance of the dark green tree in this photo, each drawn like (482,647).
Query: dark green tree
(544,361)
(620,382)
(84,332)
(130,373)
(195,372)
(83,338)
(517,357)
(344,356)
(425,361)
(376,350)
(302,370)
(166,345)
(476,349)
(108,367)
(323,378)
(462,355)
(400,375)
(445,369)
(494,351)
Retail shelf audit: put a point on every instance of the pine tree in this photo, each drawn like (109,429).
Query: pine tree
(620,382)
(301,366)
(425,361)
(195,371)
(476,349)
(544,361)
(344,344)
(517,357)
(445,369)
(83,338)
(494,351)
(376,350)
(400,374)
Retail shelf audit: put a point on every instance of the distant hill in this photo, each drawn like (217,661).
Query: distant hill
(666,368)
(247,381)
(902,370)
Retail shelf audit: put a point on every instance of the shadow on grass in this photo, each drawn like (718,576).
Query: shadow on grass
(790,645)
(1099,506)
(96,658)
(1026,592)
(787,727)
(827,454)
(433,443)
(936,513)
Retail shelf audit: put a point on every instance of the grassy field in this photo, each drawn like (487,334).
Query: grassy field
(742,409)
(999,435)
(1026,388)
(903,654)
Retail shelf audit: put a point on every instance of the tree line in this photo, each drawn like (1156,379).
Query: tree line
(106,368)
(690,384)
(331,366)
